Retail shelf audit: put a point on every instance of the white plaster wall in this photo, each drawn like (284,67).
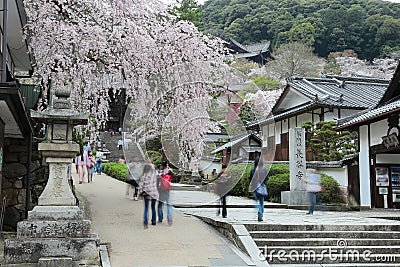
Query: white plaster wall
(330,115)
(378,129)
(339,174)
(364,168)
(278,132)
(271,130)
(292,121)
(207,166)
(388,158)
(292,99)
(285,126)
(306,117)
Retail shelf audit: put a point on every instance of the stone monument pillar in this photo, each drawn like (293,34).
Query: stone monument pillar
(55,233)
(297,164)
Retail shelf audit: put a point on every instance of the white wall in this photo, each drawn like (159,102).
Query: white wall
(339,174)
(388,159)
(306,117)
(207,166)
(378,129)
(364,168)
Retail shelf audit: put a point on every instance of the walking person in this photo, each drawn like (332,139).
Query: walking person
(314,188)
(222,189)
(134,172)
(90,166)
(259,178)
(99,160)
(80,162)
(120,143)
(148,190)
(165,177)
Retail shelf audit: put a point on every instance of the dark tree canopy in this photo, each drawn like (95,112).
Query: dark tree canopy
(369,27)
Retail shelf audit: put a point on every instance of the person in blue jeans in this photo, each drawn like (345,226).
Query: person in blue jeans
(258,175)
(99,160)
(148,190)
(314,188)
(165,187)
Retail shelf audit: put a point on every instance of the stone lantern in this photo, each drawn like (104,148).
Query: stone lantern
(55,233)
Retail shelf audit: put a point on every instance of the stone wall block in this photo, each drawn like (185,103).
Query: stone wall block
(11,157)
(23,158)
(11,217)
(18,148)
(18,184)
(14,170)
(22,196)
(11,197)
(7,184)
(7,142)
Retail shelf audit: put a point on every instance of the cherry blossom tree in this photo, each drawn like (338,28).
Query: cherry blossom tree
(92,46)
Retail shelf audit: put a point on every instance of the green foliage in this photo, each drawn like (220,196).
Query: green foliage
(331,192)
(247,113)
(276,184)
(156,156)
(189,10)
(367,26)
(265,83)
(240,174)
(328,144)
(116,170)
(78,138)
(331,67)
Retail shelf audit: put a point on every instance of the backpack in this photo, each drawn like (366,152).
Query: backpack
(166,180)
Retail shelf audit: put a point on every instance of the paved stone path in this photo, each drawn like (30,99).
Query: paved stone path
(118,221)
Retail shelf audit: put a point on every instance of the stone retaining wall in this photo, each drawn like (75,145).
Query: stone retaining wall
(14,175)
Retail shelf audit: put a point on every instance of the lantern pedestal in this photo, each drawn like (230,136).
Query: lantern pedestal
(55,233)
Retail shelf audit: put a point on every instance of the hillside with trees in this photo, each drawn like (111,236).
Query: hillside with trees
(369,27)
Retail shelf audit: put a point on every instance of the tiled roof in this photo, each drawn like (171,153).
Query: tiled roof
(285,114)
(342,92)
(253,48)
(235,140)
(332,91)
(366,115)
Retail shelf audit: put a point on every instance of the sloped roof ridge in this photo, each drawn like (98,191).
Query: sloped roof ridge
(357,78)
(328,94)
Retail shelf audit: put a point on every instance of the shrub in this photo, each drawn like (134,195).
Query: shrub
(331,193)
(275,169)
(276,184)
(116,170)
(240,174)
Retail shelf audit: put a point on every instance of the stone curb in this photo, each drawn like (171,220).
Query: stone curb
(239,236)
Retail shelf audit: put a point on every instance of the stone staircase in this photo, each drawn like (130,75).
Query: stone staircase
(327,245)
(112,145)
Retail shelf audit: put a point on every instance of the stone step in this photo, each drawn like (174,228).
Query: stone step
(335,259)
(322,227)
(325,234)
(325,242)
(330,250)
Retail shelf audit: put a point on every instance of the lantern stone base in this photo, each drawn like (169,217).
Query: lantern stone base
(295,198)
(53,232)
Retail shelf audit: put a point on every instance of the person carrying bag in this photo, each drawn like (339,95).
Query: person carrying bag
(259,178)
